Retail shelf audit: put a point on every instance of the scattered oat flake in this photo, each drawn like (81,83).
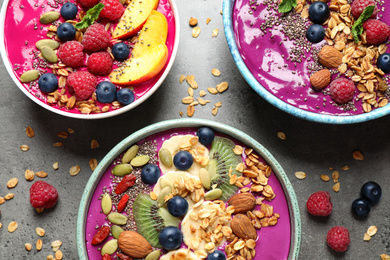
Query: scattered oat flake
(336,187)
(58,144)
(195,31)
(222,87)
(63,134)
(190,110)
(94,144)
(181,113)
(191,81)
(214,111)
(70,131)
(212,90)
(2,200)
(56,166)
(12,183)
(39,244)
(28,246)
(201,101)
(190,91)
(300,175)
(281,135)
(324,177)
(50,257)
(357,155)
(385,257)
(40,231)
(345,168)
(372,230)
(216,72)
(41,174)
(24,148)
(30,132)
(202,93)
(58,255)
(182,78)
(215,33)
(12,226)
(218,104)
(74,170)
(187,100)
(366,237)
(335,176)
(56,245)
(9,196)
(208,20)
(29,175)
(93,164)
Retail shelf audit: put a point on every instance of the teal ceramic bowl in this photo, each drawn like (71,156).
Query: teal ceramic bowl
(284,237)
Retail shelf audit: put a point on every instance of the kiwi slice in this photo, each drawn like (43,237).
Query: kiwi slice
(221,158)
(150,219)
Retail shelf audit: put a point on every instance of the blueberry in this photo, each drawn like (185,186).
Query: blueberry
(384,62)
(206,135)
(361,207)
(315,33)
(125,96)
(68,11)
(48,82)
(371,191)
(170,238)
(150,174)
(319,12)
(120,51)
(216,255)
(177,206)
(66,32)
(183,160)
(105,92)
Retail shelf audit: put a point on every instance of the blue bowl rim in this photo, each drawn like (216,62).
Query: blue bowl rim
(227,10)
(183,123)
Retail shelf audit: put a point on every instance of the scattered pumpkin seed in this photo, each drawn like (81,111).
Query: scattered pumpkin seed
(52,44)
(166,157)
(130,154)
(213,194)
(117,218)
(106,204)
(29,76)
(204,177)
(110,247)
(155,255)
(140,160)
(49,17)
(122,169)
(161,196)
(49,54)
(116,231)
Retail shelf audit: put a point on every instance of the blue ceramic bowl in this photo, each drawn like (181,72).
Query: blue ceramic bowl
(286,187)
(228,6)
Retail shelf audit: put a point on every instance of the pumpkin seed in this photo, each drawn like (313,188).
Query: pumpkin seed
(122,169)
(29,76)
(49,17)
(140,160)
(110,247)
(130,154)
(164,182)
(154,255)
(204,177)
(213,194)
(161,196)
(49,54)
(52,44)
(166,157)
(106,204)
(117,218)
(116,231)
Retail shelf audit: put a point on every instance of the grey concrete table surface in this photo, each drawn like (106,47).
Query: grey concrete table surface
(309,147)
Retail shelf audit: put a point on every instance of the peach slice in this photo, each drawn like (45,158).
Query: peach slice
(148,56)
(134,17)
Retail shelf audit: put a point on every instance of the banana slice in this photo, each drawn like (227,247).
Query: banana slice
(180,254)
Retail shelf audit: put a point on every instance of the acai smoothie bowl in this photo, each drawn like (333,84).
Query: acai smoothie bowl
(89,59)
(323,61)
(188,189)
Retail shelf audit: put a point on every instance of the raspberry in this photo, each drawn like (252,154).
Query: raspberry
(112,10)
(88,3)
(319,204)
(43,195)
(100,63)
(338,238)
(376,31)
(96,38)
(71,53)
(83,83)
(358,7)
(342,90)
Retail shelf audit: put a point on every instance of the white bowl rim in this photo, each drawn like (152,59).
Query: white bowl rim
(295,219)
(99,115)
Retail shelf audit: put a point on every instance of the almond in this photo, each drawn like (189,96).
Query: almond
(330,57)
(133,244)
(242,202)
(320,79)
(242,227)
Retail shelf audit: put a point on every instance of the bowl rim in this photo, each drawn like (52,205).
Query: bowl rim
(116,112)
(295,220)
(227,10)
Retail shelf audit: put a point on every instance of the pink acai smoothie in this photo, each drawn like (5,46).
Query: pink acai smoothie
(273,242)
(267,56)
(22,29)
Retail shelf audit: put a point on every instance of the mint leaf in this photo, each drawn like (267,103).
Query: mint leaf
(287,5)
(90,16)
(357,27)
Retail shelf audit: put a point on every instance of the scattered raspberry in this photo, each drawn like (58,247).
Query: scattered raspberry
(88,3)
(43,195)
(358,7)
(100,63)
(96,38)
(319,204)
(83,83)
(71,53)
(342,90)
(376,31)
(112,10)
(338,238)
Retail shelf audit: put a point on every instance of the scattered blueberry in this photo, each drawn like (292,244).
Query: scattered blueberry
(361,207)
(48,82)
(68,11)
(150,174)
(319,12)
(125,96)
(105,92)
(177,206)
(315,33)
(170,238)
(216,255)
(66,32)
(384,62)
(206,135)
(120,51)
(183,160)
(372,192)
